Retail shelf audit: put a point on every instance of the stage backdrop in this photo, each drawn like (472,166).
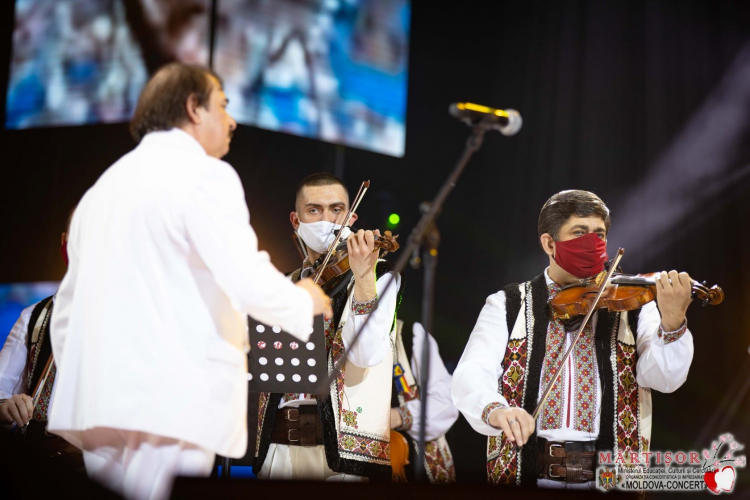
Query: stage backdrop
(645,103)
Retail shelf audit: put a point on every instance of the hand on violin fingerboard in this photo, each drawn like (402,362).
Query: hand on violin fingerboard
(673,295)
(362,259)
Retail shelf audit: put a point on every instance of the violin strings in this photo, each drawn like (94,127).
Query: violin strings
(360,194)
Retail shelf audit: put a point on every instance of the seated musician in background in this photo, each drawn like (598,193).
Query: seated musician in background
(27,369)
(602,399)
(350,438)
(406,407)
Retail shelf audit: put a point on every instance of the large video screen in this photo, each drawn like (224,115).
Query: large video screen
(77,62)
(334,70)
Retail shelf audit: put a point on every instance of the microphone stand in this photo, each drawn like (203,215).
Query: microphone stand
(416,238)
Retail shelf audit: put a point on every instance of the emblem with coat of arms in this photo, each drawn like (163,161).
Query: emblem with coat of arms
(607,478)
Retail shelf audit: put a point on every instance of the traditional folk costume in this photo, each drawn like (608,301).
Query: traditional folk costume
(150,324)
(441,414)
(346,436)
(27,367)
(601,402)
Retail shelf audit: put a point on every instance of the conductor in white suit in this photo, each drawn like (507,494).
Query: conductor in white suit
(150,331)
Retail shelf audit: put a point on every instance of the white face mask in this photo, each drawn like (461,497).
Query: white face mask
(318,236)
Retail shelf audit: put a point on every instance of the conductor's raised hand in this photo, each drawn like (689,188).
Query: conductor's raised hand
(321,301)
(516,423)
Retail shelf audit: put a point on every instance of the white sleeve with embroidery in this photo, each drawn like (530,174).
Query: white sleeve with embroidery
(441,414)
(662,366)
(475,381)
(374,341)
(13,357)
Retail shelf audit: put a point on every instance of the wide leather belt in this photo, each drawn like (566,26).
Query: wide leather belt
(300,426)
(570,461)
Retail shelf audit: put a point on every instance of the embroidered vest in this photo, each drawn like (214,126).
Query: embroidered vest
(39,348)
(349,446)
(438,460)
(625,416)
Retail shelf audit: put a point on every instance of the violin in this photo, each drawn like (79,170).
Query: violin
(612,291)
(399,457)
(626,293)
(338,262)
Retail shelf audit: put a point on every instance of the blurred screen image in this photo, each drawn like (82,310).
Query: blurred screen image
(334,70)
(78,62)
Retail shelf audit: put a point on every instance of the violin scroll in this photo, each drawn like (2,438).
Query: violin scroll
(708,296)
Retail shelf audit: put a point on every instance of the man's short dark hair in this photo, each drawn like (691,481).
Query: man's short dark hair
(566,204)
(319,179)
(161,105)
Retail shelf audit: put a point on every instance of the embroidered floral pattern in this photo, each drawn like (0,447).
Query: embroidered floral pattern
(262,405)
(350,418)
(367,447)
(489,409)
(364,307)
(361,445)
(502,463)
(407,419)
(439,462)
(627,400)
(504,468)
(669,337)
(584,386)
(40,410)
(552,413)
(514,366)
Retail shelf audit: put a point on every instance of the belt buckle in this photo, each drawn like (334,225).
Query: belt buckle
(554,445)
(292,414)
(289,435)
(549,472)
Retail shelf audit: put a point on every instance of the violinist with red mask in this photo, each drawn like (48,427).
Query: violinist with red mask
(602,399)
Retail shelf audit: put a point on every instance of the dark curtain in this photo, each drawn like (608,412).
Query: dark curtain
(644,103)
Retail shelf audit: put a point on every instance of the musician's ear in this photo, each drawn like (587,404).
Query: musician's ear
(294,219)
(353,219)
(548,244)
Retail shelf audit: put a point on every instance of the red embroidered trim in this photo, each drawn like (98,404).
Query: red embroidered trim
(42,406)
(407,419)
(364,307)
(552,413)
(489,409)
(669,337)
(627,400)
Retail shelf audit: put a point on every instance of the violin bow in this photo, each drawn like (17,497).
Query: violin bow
(357,199)
(558,370)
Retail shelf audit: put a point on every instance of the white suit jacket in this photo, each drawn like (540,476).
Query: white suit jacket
(149,331)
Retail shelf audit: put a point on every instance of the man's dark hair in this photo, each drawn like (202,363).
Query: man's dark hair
(161,105)
(319,179)
(566,204)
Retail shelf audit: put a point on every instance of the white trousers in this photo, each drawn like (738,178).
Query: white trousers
(301,463)
(141,466)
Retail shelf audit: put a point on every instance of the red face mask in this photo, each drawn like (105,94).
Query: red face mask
(582,257)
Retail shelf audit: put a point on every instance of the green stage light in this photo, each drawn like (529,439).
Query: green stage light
(394,219)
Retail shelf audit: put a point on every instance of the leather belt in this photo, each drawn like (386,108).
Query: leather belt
(300,426)
(569,461)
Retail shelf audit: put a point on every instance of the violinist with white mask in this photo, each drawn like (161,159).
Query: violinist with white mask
(328,446)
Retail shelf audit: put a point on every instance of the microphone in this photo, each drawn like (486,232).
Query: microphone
(506,121)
